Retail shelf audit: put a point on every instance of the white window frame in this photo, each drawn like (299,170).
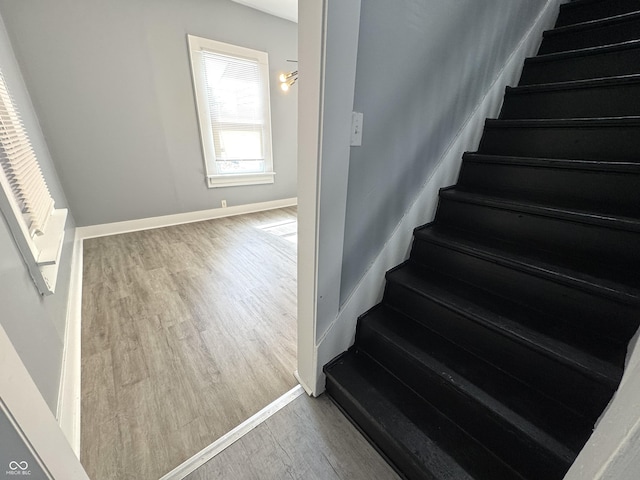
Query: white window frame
(41,248)
(214,178)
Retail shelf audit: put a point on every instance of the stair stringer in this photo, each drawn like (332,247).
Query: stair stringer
(340,334)
(612,450)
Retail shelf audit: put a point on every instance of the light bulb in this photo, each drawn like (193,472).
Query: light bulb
(284,86)
(282,77)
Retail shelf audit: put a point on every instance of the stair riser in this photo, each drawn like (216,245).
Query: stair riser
(493,432)
(568,142)
(584,67)
(594,37)
(531,367)
(570,14)
(574,306)
(559,186)
(609,101)
(545,233)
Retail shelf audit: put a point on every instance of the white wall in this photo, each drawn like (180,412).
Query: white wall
(613,451)
(34,324)
(423,67)
(111,84)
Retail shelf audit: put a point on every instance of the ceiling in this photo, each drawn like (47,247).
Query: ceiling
(287,9)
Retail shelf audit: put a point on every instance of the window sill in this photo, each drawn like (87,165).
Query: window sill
(218,181)
(50,247)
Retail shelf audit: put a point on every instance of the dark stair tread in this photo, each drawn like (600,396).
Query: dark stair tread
(613,81)
(575,6)
(629,210)
(605,138)
(583,52)
(583,216)
(613,122)
(590,165)
(564,269)
(592,24)
(421,441)
(534,329)
(530,413)
(607,30)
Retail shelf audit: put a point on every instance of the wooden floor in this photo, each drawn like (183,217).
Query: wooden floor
(187,331)
(306,440)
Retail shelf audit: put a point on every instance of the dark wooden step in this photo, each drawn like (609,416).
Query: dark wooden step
(594,33)
(551,292)
(537,327)
(586,10)
(418,439)
(616,139)
(605,188)
(497,409)
(577,380)
(574,234)
(532,262)
(588,63)
(570,270)
(608,97)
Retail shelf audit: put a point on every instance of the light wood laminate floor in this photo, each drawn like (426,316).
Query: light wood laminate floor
(186,332)
(309,439)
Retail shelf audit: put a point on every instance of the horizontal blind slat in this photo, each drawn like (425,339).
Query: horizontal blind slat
(20,166)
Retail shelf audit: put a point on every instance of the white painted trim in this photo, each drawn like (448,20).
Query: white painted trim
(311,32)
(202,457)
(30,413)
(197,46)
(340,335)
(221,181)
(327,66)
(306,387)
(116,228)
(69,394)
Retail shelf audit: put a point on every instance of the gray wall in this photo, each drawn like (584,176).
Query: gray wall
(13,449)
(111,83)
(423,66)
(35,324)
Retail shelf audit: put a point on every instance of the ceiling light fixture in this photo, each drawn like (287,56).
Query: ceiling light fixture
(287,80)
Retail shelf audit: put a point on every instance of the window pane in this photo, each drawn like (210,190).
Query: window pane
(238,143)
(234,94)
(256,166)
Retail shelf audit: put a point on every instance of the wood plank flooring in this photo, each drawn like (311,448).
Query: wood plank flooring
(186,332)
(306,440)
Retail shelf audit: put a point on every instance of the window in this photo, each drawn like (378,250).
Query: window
(25,201)
(231,84)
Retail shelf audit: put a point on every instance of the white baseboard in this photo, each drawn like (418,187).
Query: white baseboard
(340,335)
(116,228)
(68,412)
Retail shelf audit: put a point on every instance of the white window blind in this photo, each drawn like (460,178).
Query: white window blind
(21,167)
(26,202)
(234,95)
(232,98)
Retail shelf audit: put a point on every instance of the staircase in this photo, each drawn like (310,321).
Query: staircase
(500,341)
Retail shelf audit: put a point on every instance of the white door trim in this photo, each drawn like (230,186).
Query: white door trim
(31,415)
(311,31)
(327,66)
